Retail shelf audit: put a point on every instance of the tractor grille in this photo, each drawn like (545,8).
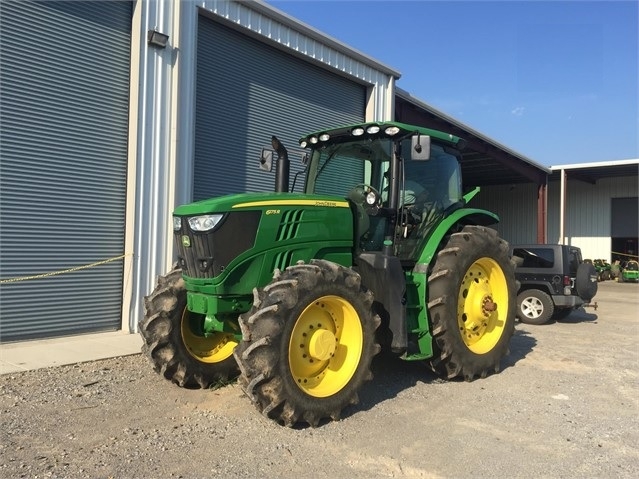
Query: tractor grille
(290,224)
(206,255)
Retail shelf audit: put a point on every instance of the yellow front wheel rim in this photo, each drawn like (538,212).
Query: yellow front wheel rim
(326,346)
(482,305)
(212,349)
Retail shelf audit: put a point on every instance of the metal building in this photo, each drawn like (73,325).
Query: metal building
(112,113)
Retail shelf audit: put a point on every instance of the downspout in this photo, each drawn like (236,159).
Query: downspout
(562,206)
(542,212)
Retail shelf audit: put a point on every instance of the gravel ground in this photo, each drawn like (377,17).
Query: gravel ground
(566,404)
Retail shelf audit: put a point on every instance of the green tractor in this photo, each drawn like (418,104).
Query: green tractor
(630,272)
(296,292)
(603,269)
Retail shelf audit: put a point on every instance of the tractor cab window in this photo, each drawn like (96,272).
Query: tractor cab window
(342,166)
(436,180)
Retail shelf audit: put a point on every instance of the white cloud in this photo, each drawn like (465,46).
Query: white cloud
(518,111)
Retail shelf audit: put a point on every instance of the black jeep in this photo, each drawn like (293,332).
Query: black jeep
(554,280)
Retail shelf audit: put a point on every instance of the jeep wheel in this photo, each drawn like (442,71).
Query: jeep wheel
(534,307)
(172,344)
(307,343)
(471,292)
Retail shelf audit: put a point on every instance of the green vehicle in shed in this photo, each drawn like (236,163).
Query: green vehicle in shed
(630,272)
(603,269)
(296,292)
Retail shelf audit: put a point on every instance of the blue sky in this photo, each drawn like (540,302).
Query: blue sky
(555,80)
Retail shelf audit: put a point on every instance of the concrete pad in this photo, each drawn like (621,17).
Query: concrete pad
(29,355)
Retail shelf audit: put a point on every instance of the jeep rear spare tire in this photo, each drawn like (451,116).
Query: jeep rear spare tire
(586,281)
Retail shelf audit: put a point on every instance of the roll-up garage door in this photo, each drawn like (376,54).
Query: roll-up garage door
(64,103)
(624,218)
(248,91)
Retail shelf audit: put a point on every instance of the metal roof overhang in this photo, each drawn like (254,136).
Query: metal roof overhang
(484,161)
(591,172)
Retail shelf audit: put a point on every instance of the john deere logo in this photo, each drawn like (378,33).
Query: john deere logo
(186,241)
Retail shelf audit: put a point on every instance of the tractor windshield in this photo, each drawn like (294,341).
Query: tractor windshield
(338,167)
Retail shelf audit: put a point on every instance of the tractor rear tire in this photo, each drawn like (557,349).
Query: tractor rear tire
(176,352)
(471,291)
(307,343)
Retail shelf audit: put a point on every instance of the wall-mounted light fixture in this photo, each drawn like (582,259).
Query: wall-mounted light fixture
(157,39)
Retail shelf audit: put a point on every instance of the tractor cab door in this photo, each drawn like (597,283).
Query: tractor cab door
(355,170)
(429,190)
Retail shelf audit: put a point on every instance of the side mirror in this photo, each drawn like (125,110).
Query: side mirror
(305,159)
(420,147)
(266,159)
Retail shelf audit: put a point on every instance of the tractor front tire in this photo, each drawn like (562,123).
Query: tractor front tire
(174,349)
(471,291)
(307,343)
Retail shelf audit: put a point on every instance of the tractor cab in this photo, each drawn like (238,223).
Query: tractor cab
(400,180)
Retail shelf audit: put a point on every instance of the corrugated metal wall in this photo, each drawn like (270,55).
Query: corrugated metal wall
(516,206)
(588,213)
(63,143)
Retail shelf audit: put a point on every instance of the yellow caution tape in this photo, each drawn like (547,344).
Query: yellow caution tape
(70,270)
(624,254)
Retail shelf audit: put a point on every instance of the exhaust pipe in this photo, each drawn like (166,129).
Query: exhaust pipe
(282,167)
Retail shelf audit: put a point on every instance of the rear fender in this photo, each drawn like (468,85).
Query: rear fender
(453,222)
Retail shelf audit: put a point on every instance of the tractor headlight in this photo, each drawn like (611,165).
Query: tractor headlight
(371,130)
(204,222)
(391,130)
(371,198)
(177,223)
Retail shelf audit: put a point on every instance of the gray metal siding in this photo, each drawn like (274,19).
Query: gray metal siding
(247,91)
(588,213)
(516,206)
(64,99)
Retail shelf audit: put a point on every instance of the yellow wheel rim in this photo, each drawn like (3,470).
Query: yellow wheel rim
(482,306)
(326,346)
(212,349)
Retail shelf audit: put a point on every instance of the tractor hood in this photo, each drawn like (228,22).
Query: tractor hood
(261,201)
